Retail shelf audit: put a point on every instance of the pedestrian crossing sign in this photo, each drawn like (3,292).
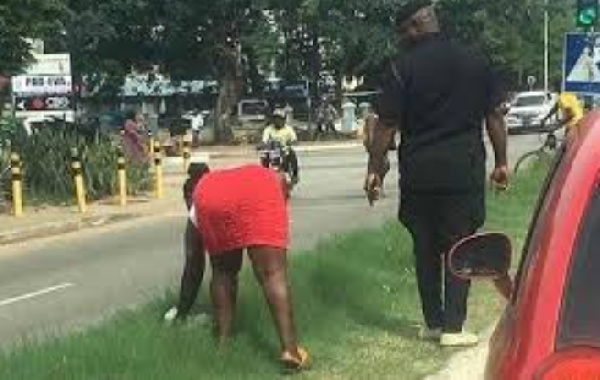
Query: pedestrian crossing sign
(581,67)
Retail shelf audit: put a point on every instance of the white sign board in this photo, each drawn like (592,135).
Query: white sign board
(38,85)
(50,64)
(48,78)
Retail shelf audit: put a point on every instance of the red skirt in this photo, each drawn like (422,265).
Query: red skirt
(241,208)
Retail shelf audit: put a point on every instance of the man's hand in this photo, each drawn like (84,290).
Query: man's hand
(500,178)
(372,188)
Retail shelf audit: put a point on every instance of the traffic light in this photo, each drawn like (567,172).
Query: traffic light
(587,13)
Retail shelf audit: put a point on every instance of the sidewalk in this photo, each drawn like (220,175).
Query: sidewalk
(467,365)
(54,220)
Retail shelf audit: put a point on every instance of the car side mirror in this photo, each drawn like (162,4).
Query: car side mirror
(483,256)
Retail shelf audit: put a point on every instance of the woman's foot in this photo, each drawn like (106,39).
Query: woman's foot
(295,361)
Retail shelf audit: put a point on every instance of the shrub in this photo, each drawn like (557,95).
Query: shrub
(46,157)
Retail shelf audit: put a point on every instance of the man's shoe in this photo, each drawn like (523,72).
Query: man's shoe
(463,339)
(430,334)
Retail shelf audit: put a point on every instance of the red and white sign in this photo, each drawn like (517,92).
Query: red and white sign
(44,103)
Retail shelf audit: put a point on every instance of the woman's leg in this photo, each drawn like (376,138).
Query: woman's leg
(223,289)
(270,268)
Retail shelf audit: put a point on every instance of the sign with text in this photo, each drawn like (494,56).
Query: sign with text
(45,87)
(30,84)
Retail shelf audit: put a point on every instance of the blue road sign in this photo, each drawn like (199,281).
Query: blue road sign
(581,68)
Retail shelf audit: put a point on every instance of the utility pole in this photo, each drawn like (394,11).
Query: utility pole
(546,47)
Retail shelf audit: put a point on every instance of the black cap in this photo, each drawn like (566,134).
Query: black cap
(409,8)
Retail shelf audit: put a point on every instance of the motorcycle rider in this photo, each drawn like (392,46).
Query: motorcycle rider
(280,132)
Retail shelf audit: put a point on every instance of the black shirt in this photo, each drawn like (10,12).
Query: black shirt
(438,95)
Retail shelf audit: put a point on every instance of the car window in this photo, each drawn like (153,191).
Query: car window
(535,228)
(530,101)
(580,314)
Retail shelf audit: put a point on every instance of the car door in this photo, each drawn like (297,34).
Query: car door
(502,364)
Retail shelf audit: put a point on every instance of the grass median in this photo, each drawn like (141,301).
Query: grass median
(357,311)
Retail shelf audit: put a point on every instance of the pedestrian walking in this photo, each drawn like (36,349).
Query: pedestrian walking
(326,116)
(133,144)
(438,96)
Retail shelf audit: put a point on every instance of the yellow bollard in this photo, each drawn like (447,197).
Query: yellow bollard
(17,184)
(122,180)
(78,179)
(187,153)
(158,171)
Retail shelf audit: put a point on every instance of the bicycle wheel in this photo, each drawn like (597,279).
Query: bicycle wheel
(527,160)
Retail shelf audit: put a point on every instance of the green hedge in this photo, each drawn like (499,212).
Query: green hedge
(46,157)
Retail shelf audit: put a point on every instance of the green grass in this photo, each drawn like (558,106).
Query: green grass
(356,306)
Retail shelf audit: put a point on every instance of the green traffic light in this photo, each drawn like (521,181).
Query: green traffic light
(587,17)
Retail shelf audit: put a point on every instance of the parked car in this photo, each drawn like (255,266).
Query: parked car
(253,110)
(551,326)
(527,111)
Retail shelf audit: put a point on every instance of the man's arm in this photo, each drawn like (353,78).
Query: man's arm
(379,145)
(266,135)
(378,148)
(370,122)
(567,117)
(293,136)
(496,128)
(552,112)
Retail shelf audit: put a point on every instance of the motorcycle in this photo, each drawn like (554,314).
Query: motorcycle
(276,156)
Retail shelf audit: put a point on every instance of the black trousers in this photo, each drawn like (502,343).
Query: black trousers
(436,222)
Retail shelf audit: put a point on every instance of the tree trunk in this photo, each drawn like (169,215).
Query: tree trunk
(4,84)
(2,102)
(230,87)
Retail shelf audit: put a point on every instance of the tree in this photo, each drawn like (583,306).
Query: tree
(511,33)
(239,42)
(108,40)
(219,40)
(19,21)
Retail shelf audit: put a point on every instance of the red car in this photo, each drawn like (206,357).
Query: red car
(551,326)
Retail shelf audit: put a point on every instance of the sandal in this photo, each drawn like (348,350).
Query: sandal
(298,362)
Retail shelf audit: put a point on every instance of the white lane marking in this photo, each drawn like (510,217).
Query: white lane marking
(38,293)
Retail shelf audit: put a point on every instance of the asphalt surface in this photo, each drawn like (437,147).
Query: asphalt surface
(55,285)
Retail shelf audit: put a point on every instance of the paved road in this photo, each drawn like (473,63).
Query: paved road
(57,284)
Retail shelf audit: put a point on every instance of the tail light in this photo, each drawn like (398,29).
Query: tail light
(574,364)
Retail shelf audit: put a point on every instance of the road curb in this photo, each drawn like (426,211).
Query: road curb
(468,364)
(60,228)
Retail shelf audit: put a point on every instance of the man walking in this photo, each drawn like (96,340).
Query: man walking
(438,97)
